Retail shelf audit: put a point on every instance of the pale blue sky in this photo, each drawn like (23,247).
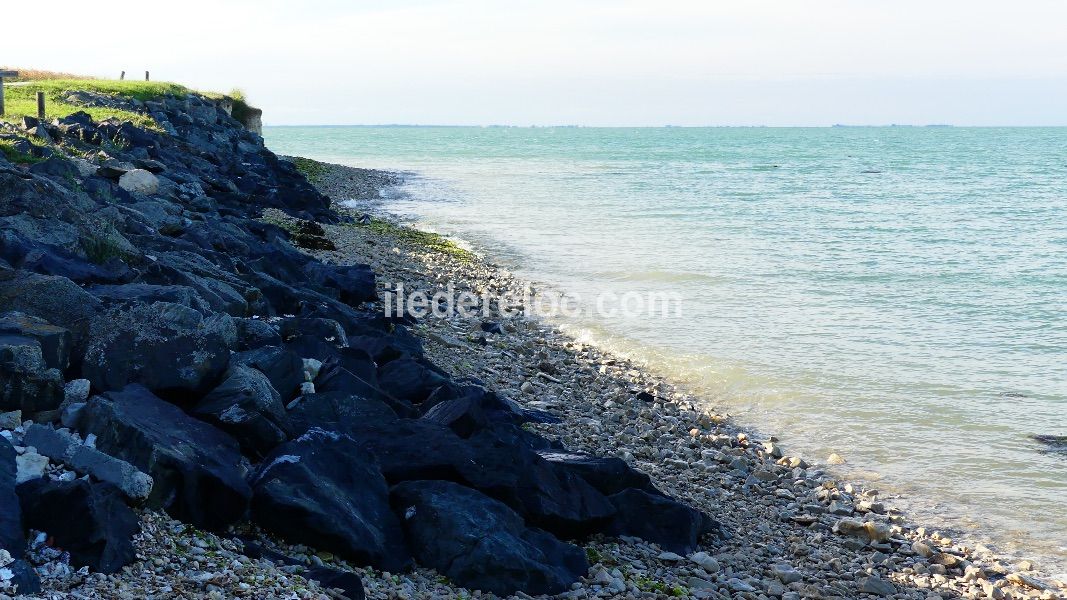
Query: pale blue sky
(595,62)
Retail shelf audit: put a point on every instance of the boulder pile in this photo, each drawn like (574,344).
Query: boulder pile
(174,351)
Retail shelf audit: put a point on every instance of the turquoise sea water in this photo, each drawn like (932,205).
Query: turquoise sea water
(895,295)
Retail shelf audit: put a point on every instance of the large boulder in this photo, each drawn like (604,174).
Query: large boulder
(492,462)
(26,381)
(655,518)
(197,470)
(57,300)
(90,521)
(246,406)
(325,491)
(609,475)
(480,543)
(168,348)
(354,283)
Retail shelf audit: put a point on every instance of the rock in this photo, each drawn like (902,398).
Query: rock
(11,534)
(10,420)
(786,573)
(246,406)
(868,530)
(843,509)
(835,459)
(284,368)
(324,490)
(30,466)
(76,390)
(608,475)
(674,526)
(408,379)
(90,521)
(139,181)
(55,342)
(63,447)
(349,583)
(497,462)
(706,561)
(168,348)
(876,586)
(196,469)
(57,300)
(922,549)
(480,543)
(26,381)
(354,283)
(737,585)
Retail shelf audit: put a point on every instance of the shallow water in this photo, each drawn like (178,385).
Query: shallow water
(895,295)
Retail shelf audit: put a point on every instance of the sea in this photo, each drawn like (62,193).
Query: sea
(894,295)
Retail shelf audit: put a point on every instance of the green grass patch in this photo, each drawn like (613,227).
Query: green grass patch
(21,100)
(312,169)
(425,239)
(13,155)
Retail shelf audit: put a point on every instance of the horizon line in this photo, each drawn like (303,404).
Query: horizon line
(668,126)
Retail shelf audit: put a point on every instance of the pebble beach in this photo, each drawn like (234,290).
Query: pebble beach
(791,529)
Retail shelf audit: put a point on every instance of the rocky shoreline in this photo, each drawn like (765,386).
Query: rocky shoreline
(201,396)
(791,529)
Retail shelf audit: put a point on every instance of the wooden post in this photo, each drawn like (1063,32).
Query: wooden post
(40,106)
(146,75)
(2,75)
(122,76)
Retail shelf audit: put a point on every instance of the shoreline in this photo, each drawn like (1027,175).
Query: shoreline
(705,459)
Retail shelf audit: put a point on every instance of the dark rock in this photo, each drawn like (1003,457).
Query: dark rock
(57,300)
(607,475)
(26,382)
(354,283)
(91,521)
(492,462)
(58,262)
(480,543)
(12,538)
(349,370)
(349,583)
(141,293)
(55,341)
(246,406)
(163,346)
(341,412)
(284,368)
(408,379)
(660,520)
(325,491)
(256,333)
(492,327)
(327,330)
(196,468)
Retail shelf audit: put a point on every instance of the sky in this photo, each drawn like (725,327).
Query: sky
(582,62)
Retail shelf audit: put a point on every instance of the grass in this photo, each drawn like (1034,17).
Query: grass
(431,241)
(21,100)
(13,155)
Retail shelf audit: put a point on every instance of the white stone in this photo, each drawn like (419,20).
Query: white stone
(30,466)
(139,181)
